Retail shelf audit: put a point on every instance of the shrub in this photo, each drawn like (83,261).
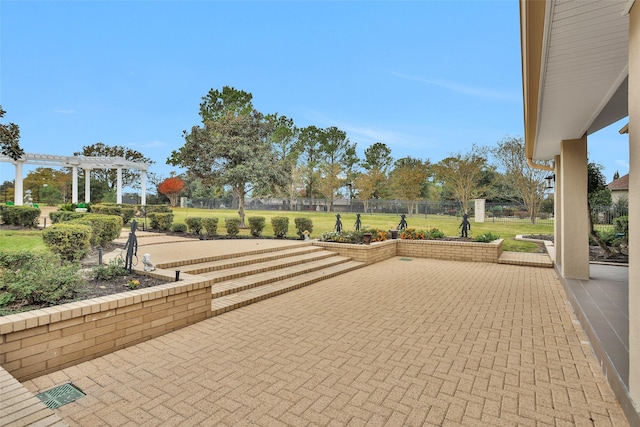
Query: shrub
(256,225)
(161,221)
(233,226)
(344,236)
(36,277)
(179,228)
(158,209)
(194,224)
(20,216)
(71,241)
(280,225)
(125,212)
(104,228)
(64,216)
(486,237)
(211,226)
(303,224)
(621,226)
(115,268)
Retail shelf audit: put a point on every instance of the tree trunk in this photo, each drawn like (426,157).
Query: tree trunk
(365,203)
(240,192)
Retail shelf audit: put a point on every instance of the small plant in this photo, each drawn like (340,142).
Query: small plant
(194,224)
(486,237)
(114,268)
(133,284)
(233,226)
(302,225)
(179,227)
(280,225)
(256,225)
(211,226)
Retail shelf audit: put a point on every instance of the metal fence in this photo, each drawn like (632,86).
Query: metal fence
(493,212)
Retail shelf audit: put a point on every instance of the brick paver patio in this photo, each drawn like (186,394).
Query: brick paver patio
(402,342)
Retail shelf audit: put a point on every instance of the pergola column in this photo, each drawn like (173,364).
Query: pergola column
(119,185)
(574,214)
(74,184)
(87,185)
(18,186)
(143,188)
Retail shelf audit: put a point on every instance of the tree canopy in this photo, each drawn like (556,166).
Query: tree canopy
(234,147)
(9,139)
(528,183)
(130,177)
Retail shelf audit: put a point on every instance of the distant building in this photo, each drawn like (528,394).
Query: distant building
(619,188)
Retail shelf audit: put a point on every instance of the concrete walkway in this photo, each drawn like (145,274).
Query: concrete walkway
(402,342)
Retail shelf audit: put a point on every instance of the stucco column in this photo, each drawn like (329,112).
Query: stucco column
(557,209)
(87,185)
(18,189)
(634,203)
(574,227)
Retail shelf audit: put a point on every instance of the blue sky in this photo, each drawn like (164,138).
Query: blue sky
(426,78)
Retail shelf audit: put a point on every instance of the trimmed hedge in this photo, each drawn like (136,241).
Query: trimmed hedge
(233,226)
(71,241)
(21,216)
(256,225)
(194,224)
(280,225)
(211,226)
(161,221)
(179,227)
(104,228)
(64,216)
(126,212)
(303,224)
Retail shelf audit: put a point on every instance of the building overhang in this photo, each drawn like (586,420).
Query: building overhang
(574,70)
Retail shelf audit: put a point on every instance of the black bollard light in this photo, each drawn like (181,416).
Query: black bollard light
(177,275)
(99,256)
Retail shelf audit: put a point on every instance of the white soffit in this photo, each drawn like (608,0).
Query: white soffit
(584,70)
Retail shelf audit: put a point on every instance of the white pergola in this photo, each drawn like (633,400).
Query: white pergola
(87,163)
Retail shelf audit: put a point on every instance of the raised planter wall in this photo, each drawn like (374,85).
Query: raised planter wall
(435,249)
(42,341)
(451,250)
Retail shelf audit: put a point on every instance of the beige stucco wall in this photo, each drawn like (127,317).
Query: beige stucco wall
(634,204)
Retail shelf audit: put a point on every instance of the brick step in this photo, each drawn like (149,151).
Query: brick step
(526,259)
(241,260)
(263,267)
(250,296)
(228,287)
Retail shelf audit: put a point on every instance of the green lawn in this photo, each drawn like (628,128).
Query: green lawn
(323,221)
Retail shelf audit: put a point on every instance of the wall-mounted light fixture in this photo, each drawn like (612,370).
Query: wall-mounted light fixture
(549,180)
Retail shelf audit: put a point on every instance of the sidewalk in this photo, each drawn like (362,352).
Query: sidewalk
(401,342)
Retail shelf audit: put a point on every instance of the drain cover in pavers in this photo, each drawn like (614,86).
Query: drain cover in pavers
(61,395)
(406,259)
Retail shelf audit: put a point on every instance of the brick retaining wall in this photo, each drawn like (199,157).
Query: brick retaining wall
(46,340)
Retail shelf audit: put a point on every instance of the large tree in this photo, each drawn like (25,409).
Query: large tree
(130,177)
(528,183)
(460,175)
(9,139)
(50,182)
(309,145)
(233,148)
(372,183)
(337,160)
(408,180)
